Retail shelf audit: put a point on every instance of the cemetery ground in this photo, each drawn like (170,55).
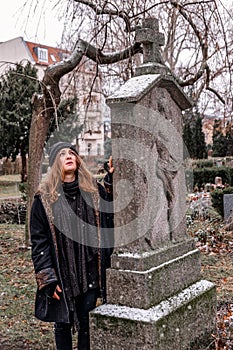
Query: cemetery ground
(19,329)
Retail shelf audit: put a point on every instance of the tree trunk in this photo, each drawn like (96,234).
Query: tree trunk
(24,165)
(38,132)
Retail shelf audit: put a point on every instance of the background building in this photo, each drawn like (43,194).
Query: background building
(91,108)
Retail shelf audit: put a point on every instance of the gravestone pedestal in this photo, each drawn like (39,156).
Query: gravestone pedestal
(181,322)
(156,301)
(156,298)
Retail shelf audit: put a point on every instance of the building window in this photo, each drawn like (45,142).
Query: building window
(89,149)
(42,54)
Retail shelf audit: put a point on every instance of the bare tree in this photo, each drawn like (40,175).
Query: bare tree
(198,40)
(198,49)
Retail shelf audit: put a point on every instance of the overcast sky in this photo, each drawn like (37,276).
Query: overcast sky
(42,27)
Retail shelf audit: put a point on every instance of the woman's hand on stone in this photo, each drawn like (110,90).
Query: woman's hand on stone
(111,168)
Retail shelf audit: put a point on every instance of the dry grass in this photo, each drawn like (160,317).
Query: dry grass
(19,329)
(216,246)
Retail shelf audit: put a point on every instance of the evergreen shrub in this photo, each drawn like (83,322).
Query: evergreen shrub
(203,176)
(203,163)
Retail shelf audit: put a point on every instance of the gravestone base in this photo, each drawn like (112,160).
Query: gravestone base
(184,321)
(143,280)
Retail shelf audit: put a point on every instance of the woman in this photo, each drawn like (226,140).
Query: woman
(70,247)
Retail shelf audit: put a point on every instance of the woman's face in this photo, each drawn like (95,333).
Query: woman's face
(68,160)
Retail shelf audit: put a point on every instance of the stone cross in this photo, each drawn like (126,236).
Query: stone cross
(151,39)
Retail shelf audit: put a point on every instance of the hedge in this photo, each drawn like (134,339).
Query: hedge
(203,163)
(202,176)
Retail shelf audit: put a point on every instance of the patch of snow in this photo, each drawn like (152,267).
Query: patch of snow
(162,265)
(130,255)
(159,311)
(135,86)
(137,255)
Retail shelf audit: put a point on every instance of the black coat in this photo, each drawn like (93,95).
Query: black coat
(45,258)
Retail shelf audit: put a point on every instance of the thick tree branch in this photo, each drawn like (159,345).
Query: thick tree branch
(102,58)
(54,72)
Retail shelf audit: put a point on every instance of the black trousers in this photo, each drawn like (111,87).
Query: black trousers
(62,331)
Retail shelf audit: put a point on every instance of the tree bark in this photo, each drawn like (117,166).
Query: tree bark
(38,132)
(24,165)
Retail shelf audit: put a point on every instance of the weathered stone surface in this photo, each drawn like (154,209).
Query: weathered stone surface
(151,133)
(228,205)
(172,324)
(151,39)
(148,259)
(144,289)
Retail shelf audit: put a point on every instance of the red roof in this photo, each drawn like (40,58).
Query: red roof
(53,54)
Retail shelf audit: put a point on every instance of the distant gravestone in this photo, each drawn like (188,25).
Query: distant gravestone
(156,298)
(228,206)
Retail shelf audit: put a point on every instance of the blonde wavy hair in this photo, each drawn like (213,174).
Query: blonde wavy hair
(55,176)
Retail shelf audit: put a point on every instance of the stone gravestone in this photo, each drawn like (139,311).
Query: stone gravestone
(156,298)
(228,206)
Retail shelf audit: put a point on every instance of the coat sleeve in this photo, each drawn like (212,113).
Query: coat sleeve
(41,246)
